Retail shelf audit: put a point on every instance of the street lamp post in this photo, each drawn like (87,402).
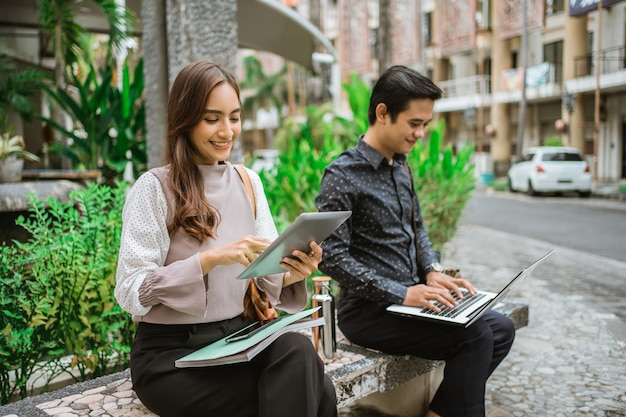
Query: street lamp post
(596,112)
(569,101)
(524,65)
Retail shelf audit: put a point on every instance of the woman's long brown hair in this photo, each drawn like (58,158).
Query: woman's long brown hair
(185,108)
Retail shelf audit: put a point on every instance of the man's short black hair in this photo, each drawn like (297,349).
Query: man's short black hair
(396,87)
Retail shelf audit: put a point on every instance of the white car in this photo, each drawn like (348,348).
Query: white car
(551,169)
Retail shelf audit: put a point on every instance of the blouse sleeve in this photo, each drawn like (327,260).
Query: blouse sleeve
(144,242)
(142,280)
(294,297)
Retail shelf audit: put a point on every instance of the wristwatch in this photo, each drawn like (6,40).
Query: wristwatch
(435,266)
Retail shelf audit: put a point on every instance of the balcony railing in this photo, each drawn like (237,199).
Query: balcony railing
(477,84)
(611,60)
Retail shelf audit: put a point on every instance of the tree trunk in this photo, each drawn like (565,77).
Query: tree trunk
(385,41)
(177,32)
(57,114)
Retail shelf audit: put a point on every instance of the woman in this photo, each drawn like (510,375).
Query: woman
(189,229)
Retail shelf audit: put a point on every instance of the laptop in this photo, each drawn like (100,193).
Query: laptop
(471,307)
(314,226)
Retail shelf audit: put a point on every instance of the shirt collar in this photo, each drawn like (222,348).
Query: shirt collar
(374,157)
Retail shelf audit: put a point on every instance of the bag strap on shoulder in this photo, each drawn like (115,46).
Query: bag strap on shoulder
(245,178)
(256,304)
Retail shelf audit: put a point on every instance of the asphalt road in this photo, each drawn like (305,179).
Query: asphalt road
(595,227)
(591,225)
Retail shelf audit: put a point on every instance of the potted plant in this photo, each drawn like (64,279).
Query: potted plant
(12,155)
(17,87)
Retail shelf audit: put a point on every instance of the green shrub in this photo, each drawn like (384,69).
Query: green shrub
(307,147)
(500,185)
(56,293)
(108,122)
(553,141)
(359,97)
(443,181)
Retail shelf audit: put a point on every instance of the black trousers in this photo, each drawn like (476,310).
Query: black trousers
(471,354)
(287,379)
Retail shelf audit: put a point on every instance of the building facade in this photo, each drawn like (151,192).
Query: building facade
(559,66)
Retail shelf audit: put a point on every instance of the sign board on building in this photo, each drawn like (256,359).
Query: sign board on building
(536,75)
(580,7)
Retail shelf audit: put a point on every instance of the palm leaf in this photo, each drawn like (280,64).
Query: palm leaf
(122,21)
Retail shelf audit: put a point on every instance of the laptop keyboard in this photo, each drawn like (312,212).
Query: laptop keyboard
(462,304)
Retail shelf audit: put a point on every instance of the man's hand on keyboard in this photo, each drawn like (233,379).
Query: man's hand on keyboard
(441,280)
(425,296)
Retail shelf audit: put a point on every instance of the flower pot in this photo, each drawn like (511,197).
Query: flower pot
(11,169)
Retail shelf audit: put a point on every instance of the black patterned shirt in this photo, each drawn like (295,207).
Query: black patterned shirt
(373,253)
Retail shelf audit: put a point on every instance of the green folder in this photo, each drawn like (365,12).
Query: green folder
(221,352)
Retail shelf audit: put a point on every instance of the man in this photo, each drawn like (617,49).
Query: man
(382,254)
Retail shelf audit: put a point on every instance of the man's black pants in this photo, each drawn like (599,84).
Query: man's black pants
(471,354)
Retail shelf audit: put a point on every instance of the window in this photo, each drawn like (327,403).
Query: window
(427,29)
(553,54)
(482,15)
(374,42)
(487,65)
(486,71)
(554,7)
(561,157)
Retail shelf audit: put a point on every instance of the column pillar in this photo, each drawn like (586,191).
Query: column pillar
(155,69)
(500,119)
(574,45)
(167,49)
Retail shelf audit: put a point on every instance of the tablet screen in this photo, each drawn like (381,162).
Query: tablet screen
(306,228)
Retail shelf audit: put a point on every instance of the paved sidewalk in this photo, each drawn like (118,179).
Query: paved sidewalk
(609,189)
(571,358)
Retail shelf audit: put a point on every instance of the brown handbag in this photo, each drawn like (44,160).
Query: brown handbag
(256,305)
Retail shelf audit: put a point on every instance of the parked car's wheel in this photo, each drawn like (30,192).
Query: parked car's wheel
(531,189)
(511,189)
(584,194)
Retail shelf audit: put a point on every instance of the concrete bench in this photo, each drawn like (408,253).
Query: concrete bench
(394,384)
(399,385)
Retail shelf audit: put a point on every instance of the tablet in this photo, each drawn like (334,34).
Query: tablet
(306,228)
